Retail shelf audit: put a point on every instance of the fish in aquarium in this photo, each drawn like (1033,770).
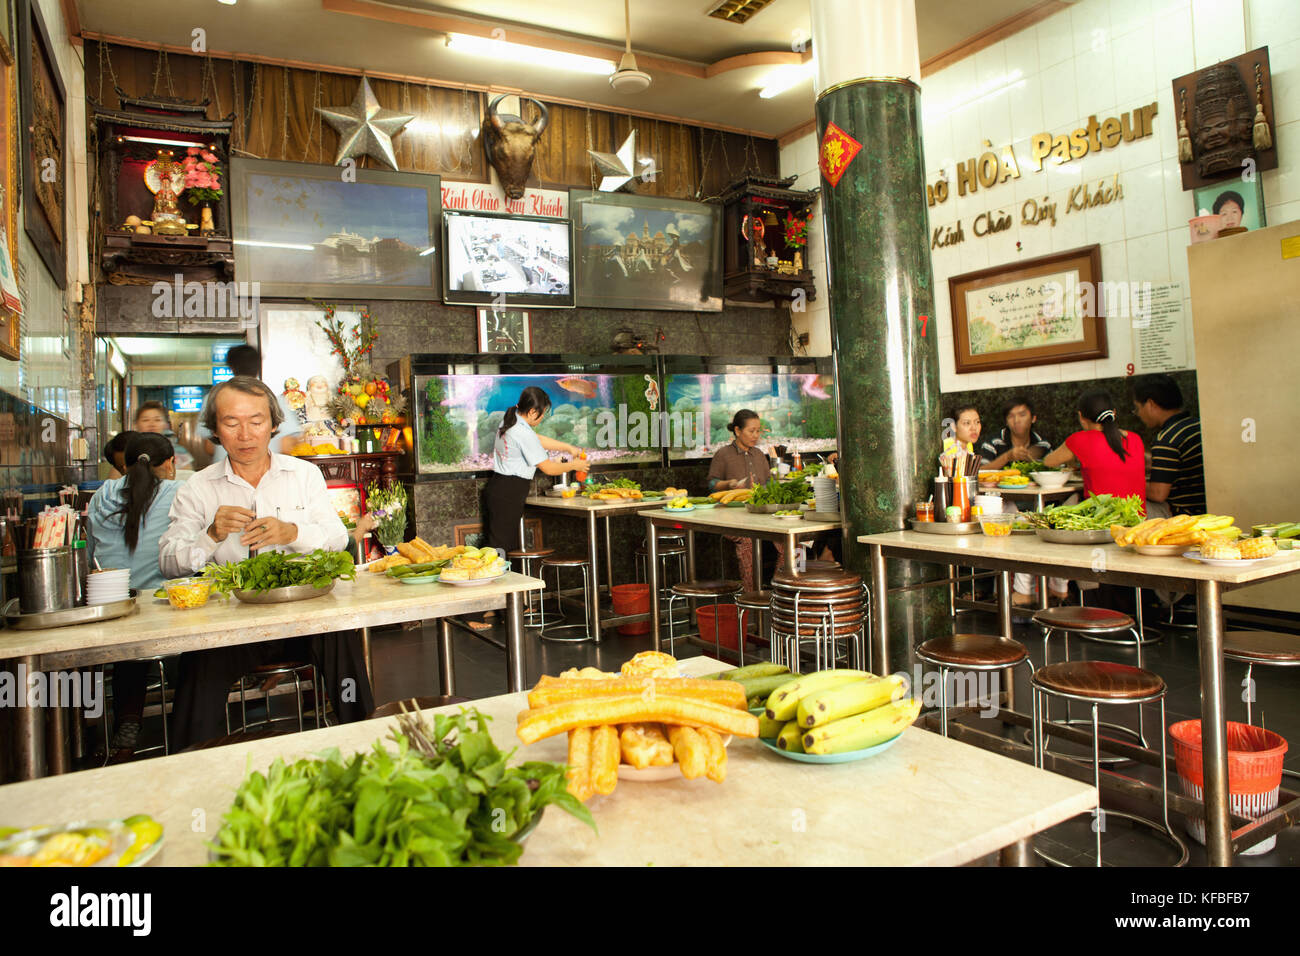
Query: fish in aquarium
(797,409)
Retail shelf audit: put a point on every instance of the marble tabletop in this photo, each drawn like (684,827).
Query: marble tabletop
(1030,549)
(723,518)
(581,504)
(158,628)
(927,801)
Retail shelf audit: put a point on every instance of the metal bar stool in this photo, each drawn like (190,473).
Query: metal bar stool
(292,669)
(980,653)
(557,632)
(162,705)
(526,556)
(1096,683)
(1267,649)
(1091,623)
(395,708)
(670,546)
(686,590)
(756,602)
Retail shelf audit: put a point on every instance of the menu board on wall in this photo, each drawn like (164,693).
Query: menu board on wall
(1159,329)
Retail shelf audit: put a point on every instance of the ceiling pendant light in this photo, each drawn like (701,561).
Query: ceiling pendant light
(627,78)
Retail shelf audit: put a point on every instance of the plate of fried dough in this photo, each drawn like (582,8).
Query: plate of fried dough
(645,723)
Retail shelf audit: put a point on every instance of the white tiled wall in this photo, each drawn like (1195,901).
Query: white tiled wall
(50,370)
(1101,57)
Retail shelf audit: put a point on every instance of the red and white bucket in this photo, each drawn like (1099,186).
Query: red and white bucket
(1254,772)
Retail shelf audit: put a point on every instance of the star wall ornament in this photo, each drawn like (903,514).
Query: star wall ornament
(620,171)
(365,128)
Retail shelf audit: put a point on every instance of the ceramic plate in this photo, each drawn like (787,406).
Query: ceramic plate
(475,582)
(652,774)
(1029,487)
(421,579)
(1162,550)
(679,510)
(848,757)
(1227,562)
(798,517)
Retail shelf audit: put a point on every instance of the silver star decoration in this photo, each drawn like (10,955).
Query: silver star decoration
(365,128)
(619,171)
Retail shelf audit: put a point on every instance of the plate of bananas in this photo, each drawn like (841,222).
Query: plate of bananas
(847,756)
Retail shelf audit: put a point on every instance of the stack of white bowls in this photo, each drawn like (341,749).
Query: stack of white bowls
(104,587)
(826,494)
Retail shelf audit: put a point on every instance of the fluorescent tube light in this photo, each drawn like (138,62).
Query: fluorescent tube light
(787,78)
(534,55)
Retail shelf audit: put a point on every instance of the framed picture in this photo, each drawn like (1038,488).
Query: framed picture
(473,535)
(301,230)
(646,252)
(44,124)
(9,140)
(1237,202)
(1038,312)
(504,330)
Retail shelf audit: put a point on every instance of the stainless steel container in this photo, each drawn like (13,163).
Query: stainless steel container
(45,580)
(80,572)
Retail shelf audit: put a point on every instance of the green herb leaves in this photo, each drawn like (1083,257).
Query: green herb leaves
(276,569)
(446,797)
(792,491)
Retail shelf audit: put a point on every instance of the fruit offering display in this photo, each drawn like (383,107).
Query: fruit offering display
(644,716)
(836,712)
(1178,530)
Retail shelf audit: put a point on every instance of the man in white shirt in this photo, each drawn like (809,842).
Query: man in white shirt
(253,500)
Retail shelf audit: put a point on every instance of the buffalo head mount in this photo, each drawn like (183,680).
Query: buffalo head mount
(510,143)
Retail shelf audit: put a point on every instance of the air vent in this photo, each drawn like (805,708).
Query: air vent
(738,11)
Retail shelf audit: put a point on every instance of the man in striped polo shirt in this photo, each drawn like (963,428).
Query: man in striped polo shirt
(1177,476)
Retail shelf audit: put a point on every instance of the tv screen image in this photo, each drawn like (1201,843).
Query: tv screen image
(607,415)
(797,409)
(524,259)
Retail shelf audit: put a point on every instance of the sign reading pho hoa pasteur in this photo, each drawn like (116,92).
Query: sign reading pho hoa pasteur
(989,169)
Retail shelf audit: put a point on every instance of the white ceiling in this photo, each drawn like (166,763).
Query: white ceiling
(347,33)
(169,350)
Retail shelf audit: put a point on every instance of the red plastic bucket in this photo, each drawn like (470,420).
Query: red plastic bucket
(1254,772)
(728,624)
(631,599)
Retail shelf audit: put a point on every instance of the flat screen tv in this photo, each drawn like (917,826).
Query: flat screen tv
(507,261)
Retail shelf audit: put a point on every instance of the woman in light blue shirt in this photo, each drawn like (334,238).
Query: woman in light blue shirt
(127,517)
(518,454)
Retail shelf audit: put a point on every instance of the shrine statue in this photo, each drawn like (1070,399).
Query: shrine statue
(315,409)
(164,172)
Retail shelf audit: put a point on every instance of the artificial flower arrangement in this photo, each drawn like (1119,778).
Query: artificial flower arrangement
(364,397)
(387,508)
(796,229)
(202,172)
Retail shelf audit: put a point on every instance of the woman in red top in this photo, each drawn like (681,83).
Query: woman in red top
(1112,460)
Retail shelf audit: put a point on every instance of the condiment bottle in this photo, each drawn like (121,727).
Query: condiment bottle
(581,475)
(961,497)
(941,495)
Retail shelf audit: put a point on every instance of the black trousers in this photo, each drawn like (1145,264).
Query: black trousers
(503,504)
(199,709)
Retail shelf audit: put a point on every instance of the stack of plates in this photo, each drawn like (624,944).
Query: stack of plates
(104,587)
(827,494)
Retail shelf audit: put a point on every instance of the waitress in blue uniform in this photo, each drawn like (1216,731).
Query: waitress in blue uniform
(518,454)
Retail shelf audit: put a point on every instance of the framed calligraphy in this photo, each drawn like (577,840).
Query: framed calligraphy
(1040,312)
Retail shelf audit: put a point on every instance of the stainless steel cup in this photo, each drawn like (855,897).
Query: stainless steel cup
(45,577)
(80,572)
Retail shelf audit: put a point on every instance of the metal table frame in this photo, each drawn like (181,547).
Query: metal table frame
(1220,837)
(32,759)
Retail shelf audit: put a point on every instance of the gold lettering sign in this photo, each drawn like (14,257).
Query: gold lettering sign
(989,169)
(1033,212)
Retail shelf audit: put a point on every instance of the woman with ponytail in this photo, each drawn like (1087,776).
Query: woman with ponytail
(518,454)
(127,517)
(1112,460)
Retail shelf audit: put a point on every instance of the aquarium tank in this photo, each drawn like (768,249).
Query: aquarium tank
(607,413)
(796,406)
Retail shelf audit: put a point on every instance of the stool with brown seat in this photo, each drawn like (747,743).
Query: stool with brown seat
(689,590)
(1267,649)
(394,708)
(526,557)
(755,602)
(980,653)
(557,632)
(1097,683)
(295,669)
(1091,623)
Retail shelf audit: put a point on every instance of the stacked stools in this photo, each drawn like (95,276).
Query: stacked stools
(825,608)
(560,632)
(297,671)
(1092,623)
(1265,649)
(981,653)
(717,590)
(1097,683)
(526,556)
(756,603)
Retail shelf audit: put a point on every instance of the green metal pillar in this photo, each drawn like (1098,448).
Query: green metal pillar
(881,307)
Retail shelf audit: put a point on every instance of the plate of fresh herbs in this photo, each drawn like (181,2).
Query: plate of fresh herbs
(273,577)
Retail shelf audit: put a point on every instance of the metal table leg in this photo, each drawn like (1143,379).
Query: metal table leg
(56,744)
(757,565)
(652,572)
(593,555)
(788,562)
(29,730)
(515,641)
(365,653)
(880,602)
(446,663)
(1020,853)
(1004,624)
(609,563)
(1214,732)
(690,558)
